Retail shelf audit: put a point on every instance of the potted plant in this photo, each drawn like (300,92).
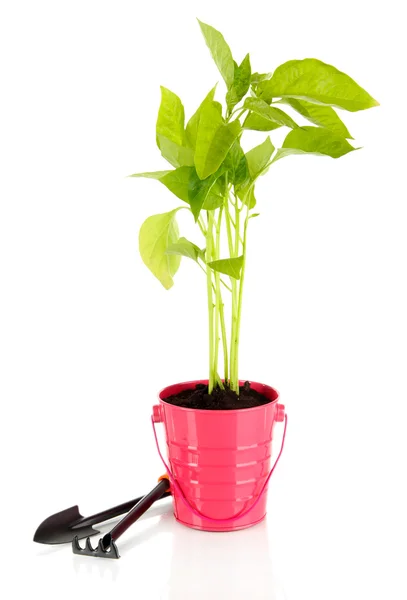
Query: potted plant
(219,430)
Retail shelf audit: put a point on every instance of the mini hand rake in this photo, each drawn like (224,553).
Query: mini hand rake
(106,547)
(67,525)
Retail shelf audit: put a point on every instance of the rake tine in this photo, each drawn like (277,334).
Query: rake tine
(89,546)
(99,551)
(113,551)
(76,547)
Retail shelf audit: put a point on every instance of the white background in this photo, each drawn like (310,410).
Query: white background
(88,336)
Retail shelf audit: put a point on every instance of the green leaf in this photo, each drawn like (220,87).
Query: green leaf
(283,152)
(216,196)
(241,83)
(257,123)
(177,156)
(177,181)
(156,234)
(213,201)
(258,157)
(236,164)
(170,121)
(228,266)
(220,52)
(258,77)
(311,79)
(317,140)
(323,116)
(246,193)
(270,113)
(214,139)
(192,126)
(184,247)
(151,175)
(187,186)
(202,190)
(170,133)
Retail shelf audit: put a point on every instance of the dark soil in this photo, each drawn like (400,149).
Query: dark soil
(226,399)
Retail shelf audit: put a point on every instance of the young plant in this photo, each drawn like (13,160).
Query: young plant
(216,179)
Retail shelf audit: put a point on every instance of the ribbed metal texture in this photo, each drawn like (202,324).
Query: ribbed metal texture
(220,459)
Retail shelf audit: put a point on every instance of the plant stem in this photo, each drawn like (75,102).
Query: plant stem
(219,382)
(242,110)
(215,256)
(224,340)
(203,269)
(239,308)
(201,226)
(228,227)
(209,244)
(234,347)
(225,285)
(237,228)
(233,283)
(233,251)
(221,280)
(234,384)
(219,301)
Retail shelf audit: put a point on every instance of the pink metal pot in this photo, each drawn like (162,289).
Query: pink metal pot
(219,460)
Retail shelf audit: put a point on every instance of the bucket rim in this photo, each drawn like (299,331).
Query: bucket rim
(194,382)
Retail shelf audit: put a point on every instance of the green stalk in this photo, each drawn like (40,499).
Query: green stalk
(237,228)
(219,301)
(233,251)
(240,110)
(228,226)
(221,280)
(209,244)
(215,256)
(233,283)
(201,226)
(234,348)
(239,309)
(224,340)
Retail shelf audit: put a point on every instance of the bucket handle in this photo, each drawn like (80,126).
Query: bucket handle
(195,511)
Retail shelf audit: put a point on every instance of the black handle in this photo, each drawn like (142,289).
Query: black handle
(141,507)
(111,513)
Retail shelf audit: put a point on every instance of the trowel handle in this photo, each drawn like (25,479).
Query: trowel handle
(111,513)
(161,489)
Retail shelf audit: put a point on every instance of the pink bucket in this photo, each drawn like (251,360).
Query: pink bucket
(219,460)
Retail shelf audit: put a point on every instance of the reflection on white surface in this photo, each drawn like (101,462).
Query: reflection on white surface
(87,566)
(207,565)
(148,527)
(170,561)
